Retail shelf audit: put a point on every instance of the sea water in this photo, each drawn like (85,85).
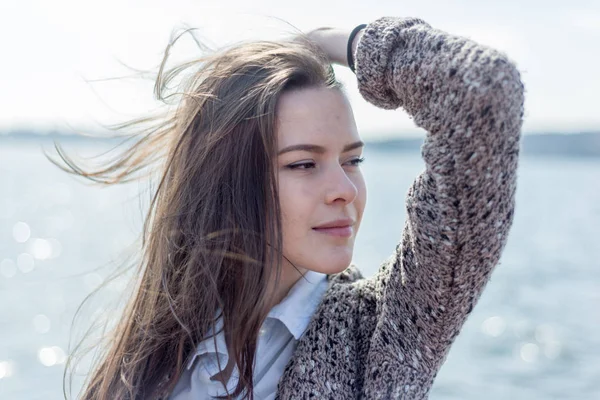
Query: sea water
(535,333)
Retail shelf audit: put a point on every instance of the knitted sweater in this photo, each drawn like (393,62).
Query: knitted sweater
(387,336)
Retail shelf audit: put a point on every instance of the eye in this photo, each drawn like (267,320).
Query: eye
(302,165)
(357,161)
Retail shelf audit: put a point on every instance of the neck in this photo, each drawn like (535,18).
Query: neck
(289,277)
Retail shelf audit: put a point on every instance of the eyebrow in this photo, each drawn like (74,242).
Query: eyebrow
(313,148)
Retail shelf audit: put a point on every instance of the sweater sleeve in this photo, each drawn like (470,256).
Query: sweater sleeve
(469,99)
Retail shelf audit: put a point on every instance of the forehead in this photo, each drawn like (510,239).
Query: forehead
(315,116)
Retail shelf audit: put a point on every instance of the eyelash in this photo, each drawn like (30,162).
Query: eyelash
(356,161)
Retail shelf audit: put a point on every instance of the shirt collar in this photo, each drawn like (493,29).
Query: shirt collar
(294,311)
(299,305)
(208,344)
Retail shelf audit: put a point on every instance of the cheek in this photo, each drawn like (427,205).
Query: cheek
(296,202)
(361,197)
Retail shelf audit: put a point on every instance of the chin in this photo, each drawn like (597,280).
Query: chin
(333,265)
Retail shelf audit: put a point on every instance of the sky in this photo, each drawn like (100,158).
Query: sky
(58,56)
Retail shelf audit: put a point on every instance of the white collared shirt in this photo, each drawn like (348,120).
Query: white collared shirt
(279,335)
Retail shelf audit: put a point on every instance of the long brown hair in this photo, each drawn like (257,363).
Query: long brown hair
(212,236)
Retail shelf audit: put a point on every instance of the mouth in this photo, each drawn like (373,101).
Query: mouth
(339,231)
(338,228)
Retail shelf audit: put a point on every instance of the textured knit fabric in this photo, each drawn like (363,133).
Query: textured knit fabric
(279,335)
(387,336)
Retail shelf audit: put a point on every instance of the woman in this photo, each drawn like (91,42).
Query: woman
(251,232)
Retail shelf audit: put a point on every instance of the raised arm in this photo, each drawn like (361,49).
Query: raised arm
(469,99)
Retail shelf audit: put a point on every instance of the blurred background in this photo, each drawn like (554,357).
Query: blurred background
(535,333)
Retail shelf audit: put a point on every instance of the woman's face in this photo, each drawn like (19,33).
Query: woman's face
(320,180)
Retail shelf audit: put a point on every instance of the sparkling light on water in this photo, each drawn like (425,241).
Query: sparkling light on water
(521,328)
(525,333)
(546,335)
(8,269)
(25,262)
(6,369)
(21,232)
(50,356)
(493,326)
(41,249)
(41,323)
(529,352)
(552,349)
(56,247)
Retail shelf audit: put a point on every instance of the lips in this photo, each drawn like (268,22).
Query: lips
(338,223)
(338,228)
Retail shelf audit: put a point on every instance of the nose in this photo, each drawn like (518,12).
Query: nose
(339,186)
